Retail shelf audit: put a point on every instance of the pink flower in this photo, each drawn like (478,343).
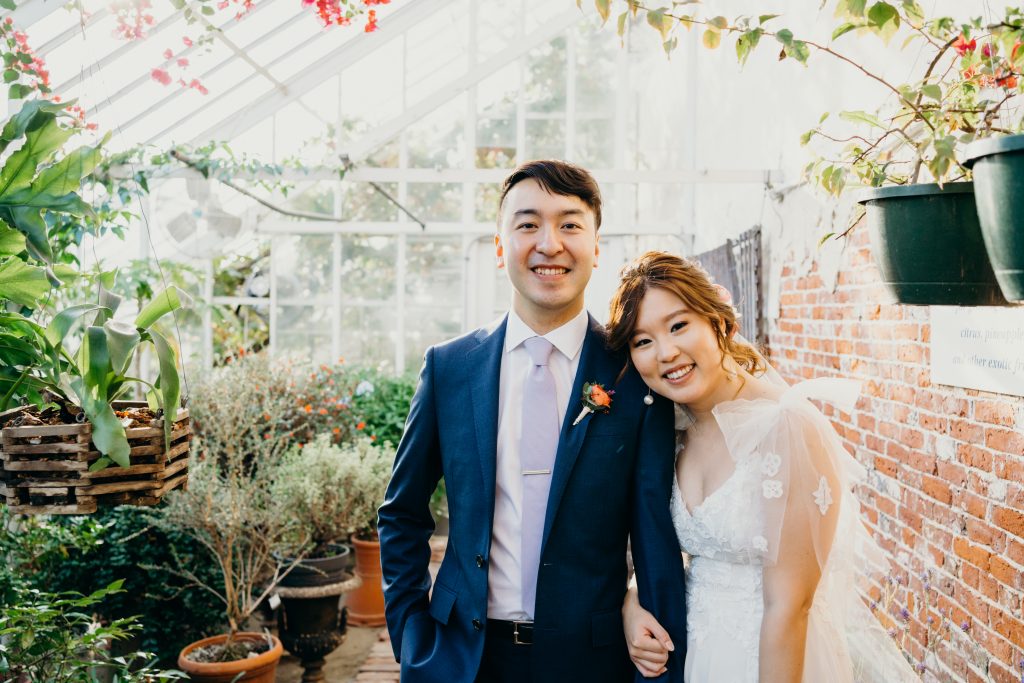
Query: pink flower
(986,49)
(187,41)
(161,76)
(182,61)
(168,53)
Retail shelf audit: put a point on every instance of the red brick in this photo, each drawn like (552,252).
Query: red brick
(938,489)
(976,555)
(886,466)
(979,532)
(966,431)
(1005,440)
(994,412)
(1009,628)
(952,473)
(1010,469)
(974,456)
(1011,520)
(1006,573)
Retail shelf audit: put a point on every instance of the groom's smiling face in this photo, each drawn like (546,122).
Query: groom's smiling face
(548,243)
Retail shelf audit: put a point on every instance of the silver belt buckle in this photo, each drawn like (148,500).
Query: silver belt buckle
(515,632)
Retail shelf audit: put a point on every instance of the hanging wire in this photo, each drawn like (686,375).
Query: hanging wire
(97,73)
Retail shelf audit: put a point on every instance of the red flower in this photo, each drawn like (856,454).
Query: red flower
(161,76)
(371,22)
(599,396)
(987,50)
(361,425)
(962,46)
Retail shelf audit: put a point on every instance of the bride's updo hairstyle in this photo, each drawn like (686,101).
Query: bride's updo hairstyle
(691,283)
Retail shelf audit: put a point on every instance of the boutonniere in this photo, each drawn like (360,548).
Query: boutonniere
(595,400)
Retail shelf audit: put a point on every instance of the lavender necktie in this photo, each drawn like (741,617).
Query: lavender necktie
(537,447)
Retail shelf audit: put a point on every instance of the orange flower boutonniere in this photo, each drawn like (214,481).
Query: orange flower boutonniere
(595,400)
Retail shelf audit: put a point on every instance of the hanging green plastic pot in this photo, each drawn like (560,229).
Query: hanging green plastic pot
(998,166)
(928,246)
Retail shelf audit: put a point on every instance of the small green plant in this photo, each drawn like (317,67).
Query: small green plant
(53,637)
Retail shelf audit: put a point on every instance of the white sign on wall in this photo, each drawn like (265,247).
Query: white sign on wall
(979,347)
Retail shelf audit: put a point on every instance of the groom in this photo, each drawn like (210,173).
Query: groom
(542,495)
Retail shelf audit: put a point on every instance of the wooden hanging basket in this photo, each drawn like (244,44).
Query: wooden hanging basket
(45,469)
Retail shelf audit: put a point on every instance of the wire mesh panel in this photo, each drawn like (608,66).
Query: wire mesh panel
(736,265)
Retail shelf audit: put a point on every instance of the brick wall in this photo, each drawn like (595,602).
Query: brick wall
(946,484)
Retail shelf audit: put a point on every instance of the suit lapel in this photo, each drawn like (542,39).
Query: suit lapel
(484,366)
(595,365)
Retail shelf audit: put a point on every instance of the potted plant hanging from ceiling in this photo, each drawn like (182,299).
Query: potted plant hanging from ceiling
(925,237)
(68,441)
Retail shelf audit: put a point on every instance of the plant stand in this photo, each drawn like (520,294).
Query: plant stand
(311,622)
(45,469)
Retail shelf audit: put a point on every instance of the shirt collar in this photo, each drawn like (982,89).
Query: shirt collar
(568,338)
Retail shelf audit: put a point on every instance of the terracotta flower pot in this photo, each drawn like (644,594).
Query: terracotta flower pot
(259,669)
(366,603)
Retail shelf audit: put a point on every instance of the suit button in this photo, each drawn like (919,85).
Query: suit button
(477,626)
(480,561)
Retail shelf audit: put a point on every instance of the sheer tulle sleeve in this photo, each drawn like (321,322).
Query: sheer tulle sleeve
(804,492)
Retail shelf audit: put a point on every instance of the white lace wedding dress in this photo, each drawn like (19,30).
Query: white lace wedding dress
(737,529)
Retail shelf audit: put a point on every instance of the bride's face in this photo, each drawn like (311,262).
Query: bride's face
(676,351)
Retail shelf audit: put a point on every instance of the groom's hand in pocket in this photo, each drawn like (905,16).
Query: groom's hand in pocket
(648,643)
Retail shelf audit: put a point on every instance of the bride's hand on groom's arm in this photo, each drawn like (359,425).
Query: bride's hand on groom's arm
(648,643)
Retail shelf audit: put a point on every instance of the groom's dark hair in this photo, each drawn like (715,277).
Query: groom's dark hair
(557,177)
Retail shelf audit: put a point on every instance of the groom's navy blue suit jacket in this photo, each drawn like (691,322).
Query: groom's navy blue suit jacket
(612,478)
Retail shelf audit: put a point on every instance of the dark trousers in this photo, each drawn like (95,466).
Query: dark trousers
(504,661)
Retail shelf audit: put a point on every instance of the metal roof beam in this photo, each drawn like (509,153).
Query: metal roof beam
(349,53)
(378,136)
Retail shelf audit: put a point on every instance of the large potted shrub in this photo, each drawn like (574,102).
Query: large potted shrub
(926,241)
(323,487)
(245,415)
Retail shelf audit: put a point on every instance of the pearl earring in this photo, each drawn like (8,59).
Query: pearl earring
(648,399)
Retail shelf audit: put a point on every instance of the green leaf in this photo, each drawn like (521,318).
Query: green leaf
(785,36)
(65,321)
(66,175)
(42,139)
(22,283)
(26,116)
(747,42)
(107,431)
(8,4)
(766,17)
(621,24)
(170,383)
(844,28)
(660,23)
(799,51)
(711,39)
(122,340)
(96,362)
(861,117)
(806,137)
(207,10)
(885,19)
(165,301)
(603,8)
(720,23)
(10,75)
(12,242)
(18,91)
(933,91)
(29,222)
(851,8)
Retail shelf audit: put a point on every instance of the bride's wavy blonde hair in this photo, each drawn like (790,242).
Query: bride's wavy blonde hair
(691,283)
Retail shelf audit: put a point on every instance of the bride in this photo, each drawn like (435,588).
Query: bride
(761,502)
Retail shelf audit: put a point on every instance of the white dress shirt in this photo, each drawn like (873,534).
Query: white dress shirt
(504,574)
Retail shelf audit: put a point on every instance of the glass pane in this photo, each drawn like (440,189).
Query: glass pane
(368,335)
(361,202)
(317,197)
(544,89)
(496,143)
(595,139)
(487,201)
(427,326)
(368,268)
(435,201)
(433,270)
(302,266)
(304,331)
(595,69)
(438,139)
(545,139)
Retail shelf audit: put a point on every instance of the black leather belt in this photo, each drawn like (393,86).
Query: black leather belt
(520,632)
